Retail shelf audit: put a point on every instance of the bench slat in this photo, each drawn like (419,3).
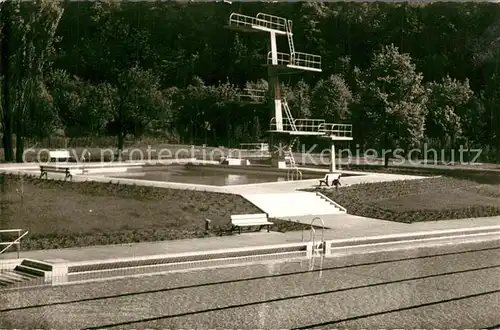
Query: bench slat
(249,216)
(252,224)
(59,154)
(250,220)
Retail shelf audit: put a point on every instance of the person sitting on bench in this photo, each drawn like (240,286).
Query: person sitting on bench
(334,177)
(336,182)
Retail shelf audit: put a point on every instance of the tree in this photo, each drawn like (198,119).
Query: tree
(190,107)
(30,39)
(79,105)
(491,119)
(487,57)
(136,102)
(164,124)
(302,99)
(331,99)
(42,117)
(6,115)
(393,99)
(447,105)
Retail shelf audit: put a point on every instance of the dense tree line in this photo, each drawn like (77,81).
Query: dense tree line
(402,74)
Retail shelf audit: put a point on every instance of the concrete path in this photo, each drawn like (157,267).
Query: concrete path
(347,225)
(343,226)
(276,187)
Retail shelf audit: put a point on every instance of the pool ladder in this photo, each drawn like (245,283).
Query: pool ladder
(293,172)
(318,247)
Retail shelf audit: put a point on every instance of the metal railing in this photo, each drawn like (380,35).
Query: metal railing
(255,146)
(284,126)
(308,125)
(16,242)
(340,130)
(250,21)
(299,124)
(283,58)
(251,95)
(278,21)
(313,235)
(253,150)
(293,174)
(306,60)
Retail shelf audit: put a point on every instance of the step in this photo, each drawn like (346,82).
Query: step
(17,276)
(7,280)
(13,277)
(30,270)
(37,264)
(292,204)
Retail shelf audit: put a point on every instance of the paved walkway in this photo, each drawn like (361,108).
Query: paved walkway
(286,186)
(342,226)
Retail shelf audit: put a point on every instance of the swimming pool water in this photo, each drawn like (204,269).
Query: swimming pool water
(207,175)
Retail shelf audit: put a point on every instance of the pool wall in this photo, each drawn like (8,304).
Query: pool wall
(261,169)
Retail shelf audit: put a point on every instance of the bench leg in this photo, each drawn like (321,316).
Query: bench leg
(268,228)
(239,230)
(260,228)
(43,173)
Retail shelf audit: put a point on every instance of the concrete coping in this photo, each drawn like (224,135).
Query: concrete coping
(189,254)
(409,236)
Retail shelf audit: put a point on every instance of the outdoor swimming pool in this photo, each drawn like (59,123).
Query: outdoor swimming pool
(207,175)
(396,289)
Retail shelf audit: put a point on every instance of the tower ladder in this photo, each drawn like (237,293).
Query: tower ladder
(292,169)
(288,114)
(289,36)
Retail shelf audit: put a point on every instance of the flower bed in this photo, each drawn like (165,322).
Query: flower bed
(62,214)
(421,200)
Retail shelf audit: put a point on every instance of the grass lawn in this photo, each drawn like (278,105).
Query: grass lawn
(423,200)
(62,214)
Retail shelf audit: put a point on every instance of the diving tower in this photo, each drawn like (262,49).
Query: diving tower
(284,129)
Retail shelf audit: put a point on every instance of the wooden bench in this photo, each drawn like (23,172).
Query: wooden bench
(329,179)
(249,220)
(68,171)
(58,156)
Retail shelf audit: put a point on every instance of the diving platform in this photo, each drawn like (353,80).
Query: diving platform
(251,96)
(294,63)
(312,127)
(261,23)
(291,62)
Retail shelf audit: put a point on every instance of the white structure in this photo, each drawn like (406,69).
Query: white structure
(283,124)
(288,204)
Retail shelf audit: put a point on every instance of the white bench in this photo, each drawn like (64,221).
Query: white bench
(330,178)
(249,220)
(58,155)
